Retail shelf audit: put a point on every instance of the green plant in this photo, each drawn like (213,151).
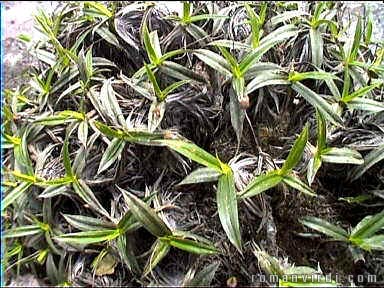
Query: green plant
(116,173)
(364,235)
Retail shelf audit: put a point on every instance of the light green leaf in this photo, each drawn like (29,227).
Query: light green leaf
(227,208)
(261,183)
(22,231)
(191,246)
(148,46)
(107,35)
(88,237)
(237,114)
(159,250)
(266,78)
(360,92)
(279,35)
(356,42)
(318,102)
(180,72)
(214,60)
(14,194)
(366,105)
(296,183)
(317,45)
(285,16)
(113,151)
(312,168)
(296,152)
(373,243)
(85,223)
(368,226)
(376,155)
(85,193)
(82,132)
(201,175)
(193,152)
(325,227)
(317,75)
(342,156)
(126,253)
(110,104)
(230,44)
(147,216)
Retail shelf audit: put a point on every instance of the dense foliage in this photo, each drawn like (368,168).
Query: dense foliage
(156,148)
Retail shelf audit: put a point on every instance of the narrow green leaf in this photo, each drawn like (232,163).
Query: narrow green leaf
(314,165)
(285,16)
(113,151)
(88,237)
(126,253)
(148,46)
(55,182)
(154,38)
(193,152)
(214,60)
(66,158)
(159,249)
(201,175)
(174,86)
(366,105)
(279,35)
(206,17)
(230,44)
(325,227)
(317,75)
(85,193)
(196,32)
(238,85)
(321,131)
(360,92)
(356,41)
(108,36)
(317,45)
(85,223)
(14,194)
(227,208)
(189,245)
(373,243)
(318,102)
(230,59)
(237,114)
(296,183)
(180,72)
(82,132)
(368,226)
(110,104)
(155,85)
(261,183)
(270,77)
(147,216)
(342,156)
(376,155)
(296,152)
(22,231)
